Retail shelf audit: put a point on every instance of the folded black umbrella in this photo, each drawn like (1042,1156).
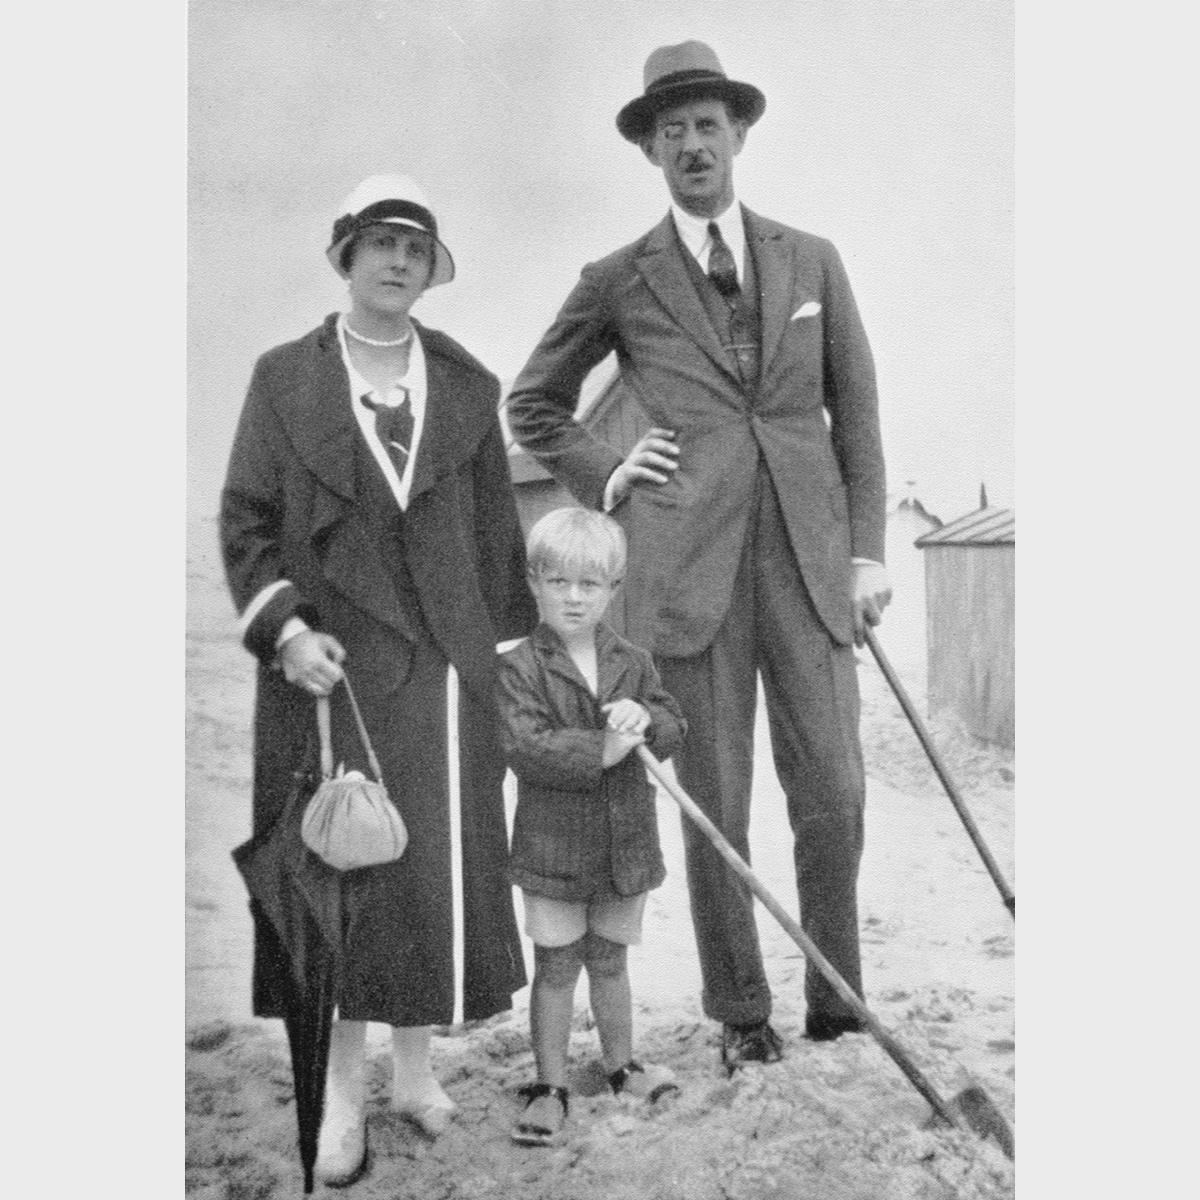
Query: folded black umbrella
(301,898)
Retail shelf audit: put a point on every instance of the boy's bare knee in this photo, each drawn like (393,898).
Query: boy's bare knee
(603,957)
(558,966)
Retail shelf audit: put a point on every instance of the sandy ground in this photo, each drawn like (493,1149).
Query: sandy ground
(834,1120)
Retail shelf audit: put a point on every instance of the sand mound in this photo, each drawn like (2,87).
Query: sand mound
(834,1120)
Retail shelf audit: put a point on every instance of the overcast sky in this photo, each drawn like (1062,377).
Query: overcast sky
(888,129)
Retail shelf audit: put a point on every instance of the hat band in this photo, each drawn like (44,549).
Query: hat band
(696,75)
(384,210)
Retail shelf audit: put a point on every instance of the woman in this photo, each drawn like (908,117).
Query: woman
(368,521)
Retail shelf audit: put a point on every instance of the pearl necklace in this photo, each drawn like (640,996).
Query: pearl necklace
(402,340)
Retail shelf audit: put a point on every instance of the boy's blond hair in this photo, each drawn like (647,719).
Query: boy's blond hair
(577,539)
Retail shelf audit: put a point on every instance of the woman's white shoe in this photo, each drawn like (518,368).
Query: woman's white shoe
(342,1144)
(432,1110)
(342,1149)
(416,1094)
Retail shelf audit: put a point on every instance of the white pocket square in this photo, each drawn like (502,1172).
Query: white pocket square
(809,308)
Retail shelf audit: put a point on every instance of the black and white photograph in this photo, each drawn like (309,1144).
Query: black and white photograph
(600,500)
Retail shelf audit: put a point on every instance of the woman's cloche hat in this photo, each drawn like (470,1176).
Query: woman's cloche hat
(388,200)
(674,74)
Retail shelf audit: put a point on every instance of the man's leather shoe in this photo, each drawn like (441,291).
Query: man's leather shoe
(757,1043)
(820,1027)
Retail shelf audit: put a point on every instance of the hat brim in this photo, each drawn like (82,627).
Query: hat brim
(443,263)
(636,119)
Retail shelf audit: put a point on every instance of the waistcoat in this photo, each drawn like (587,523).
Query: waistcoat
(740,323)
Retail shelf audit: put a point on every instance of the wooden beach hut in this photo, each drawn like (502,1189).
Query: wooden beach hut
(903,630)
(607,410)
(970,622)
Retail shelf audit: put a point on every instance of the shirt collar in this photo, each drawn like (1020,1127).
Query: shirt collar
(693,232)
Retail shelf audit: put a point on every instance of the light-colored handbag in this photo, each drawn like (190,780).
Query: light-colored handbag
(350,822)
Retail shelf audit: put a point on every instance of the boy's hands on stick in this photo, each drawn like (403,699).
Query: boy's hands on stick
(626,716)
(627,725)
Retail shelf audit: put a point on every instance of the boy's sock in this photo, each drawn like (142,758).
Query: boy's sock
(612,1005)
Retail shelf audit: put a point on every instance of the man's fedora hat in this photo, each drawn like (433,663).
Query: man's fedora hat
(674,74)
(388,200)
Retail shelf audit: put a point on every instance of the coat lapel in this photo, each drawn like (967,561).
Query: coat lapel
(774,261)
(453,427)
(661,265)
(325,435)
(318,417)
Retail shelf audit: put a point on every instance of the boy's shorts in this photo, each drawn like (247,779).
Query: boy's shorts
(561,922)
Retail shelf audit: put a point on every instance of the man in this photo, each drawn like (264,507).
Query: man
(754,509)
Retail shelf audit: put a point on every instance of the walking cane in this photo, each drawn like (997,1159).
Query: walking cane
(972,1108)
(1006,893)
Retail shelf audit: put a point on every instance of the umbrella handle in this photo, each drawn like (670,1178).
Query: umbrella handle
(895,1051)
(918,726)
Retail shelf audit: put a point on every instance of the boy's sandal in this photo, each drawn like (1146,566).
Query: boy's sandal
(545,1114)
(646,1083)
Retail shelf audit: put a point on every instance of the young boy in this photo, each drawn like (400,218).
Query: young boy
(576,699)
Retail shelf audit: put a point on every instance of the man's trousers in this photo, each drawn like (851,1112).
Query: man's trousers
(811,689)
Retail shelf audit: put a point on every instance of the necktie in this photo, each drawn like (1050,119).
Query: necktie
(720,265)
(394,428)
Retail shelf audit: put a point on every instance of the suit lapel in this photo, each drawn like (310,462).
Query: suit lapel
(662,266)
(556,659)
(774,261)
(611,664)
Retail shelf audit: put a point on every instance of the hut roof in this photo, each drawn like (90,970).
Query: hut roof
(983,527)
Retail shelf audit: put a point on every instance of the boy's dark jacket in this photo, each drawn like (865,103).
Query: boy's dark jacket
(581,831)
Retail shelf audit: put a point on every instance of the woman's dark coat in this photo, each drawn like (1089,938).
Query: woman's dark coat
(582,831)
(305,501)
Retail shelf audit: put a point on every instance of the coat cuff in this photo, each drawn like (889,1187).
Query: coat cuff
(266,615)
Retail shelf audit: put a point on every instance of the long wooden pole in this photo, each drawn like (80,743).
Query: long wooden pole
(896,1052)
(914,719)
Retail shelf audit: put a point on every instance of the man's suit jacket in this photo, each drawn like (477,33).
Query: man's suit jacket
(812,420)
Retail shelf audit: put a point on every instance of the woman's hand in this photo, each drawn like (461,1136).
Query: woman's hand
(312,661)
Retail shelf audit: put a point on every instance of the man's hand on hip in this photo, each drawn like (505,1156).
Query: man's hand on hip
(871,593)
(653,460)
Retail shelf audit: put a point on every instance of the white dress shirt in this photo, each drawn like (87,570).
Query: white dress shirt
(693,232)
